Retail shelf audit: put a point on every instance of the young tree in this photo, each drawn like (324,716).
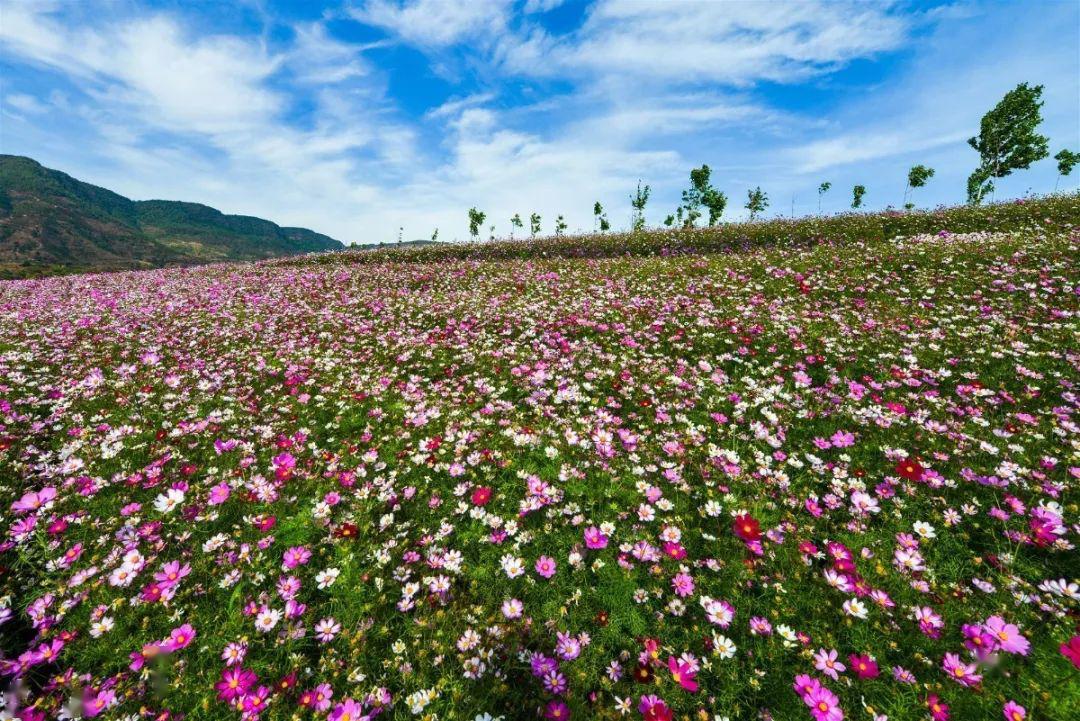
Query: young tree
(476,219)
(1007,140)
(597,211)
(435,236)
(515,222)
(400,231)
(916,178)
(605,226)
(669,221)
(534,224)
(1067,160)
(560,225)
(821,190)
(491,231)
(756,201)
(637,202)
(857,194)
(702,193)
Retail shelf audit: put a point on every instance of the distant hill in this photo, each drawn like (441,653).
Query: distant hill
(52,223)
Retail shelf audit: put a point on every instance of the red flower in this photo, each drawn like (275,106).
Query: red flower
(747,527)
(910,469)
(481,495)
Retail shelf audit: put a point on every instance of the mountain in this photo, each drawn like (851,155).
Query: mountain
(52,223)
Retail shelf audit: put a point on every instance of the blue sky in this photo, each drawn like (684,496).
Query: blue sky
(355,118)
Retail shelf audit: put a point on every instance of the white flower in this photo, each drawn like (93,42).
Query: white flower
(924,529)
(513,566)
(167,502)
(100,627)
(855,608)
(326,578)
(267,619)
(723,646)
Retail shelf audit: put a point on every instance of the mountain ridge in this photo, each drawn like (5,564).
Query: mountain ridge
(52,223)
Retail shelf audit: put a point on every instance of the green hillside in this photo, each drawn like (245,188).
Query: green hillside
(52,223)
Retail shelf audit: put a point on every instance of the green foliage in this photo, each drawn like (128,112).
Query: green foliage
(857,194)
(821,190)
(534,224)
(1007,139)
(1067,160)
(756,201)
(560,225)
(637,202)
(701,194)
(515,222)
(476,219)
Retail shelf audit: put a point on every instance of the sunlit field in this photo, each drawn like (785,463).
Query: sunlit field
(773,471)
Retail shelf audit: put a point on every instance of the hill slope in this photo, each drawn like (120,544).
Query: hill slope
(51,222)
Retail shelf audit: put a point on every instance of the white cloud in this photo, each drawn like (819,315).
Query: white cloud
(434,23)
(733,43)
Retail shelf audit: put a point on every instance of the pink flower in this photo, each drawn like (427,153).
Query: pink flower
(1007,636)
(653,708)
(1071,650)
(824,705)
(683,584)
(683,674)
(180,637)
(219,494)
(32,501)
(295,556)
(1014,711)
(595,538)
(347,710)
(234,683)
(545,566)
(556,710)
(962,673)
(825,661)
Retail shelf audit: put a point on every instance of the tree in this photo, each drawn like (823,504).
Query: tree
(435,236)
(702,193)
(597,211)
(756,201)
(669,221)
(857,194)
(916,178)
(637,202)
(1067,160)
(400,231)
(821,190)
(560,225)
(515,222)
(1007,140)
(534,224)
(476,219)
(491,230)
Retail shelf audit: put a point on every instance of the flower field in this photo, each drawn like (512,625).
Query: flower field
(817,481)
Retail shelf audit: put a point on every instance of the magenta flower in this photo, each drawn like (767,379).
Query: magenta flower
(545,566)
(683,674)
(595,538)
(863,665)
